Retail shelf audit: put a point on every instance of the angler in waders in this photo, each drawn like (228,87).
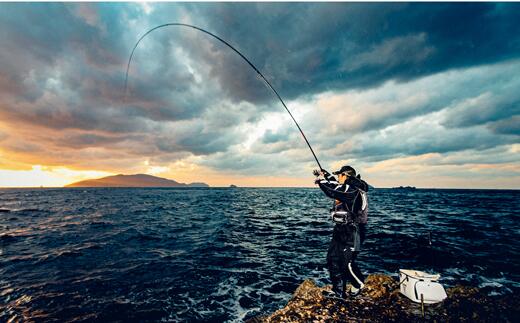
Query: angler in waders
(349,212)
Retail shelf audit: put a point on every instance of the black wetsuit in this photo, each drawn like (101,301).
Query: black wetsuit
(346,237)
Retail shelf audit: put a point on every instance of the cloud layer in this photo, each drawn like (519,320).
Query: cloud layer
(370,83)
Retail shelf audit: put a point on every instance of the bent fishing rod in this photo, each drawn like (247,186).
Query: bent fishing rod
(236,51)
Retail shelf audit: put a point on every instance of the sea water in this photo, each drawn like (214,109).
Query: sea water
(225,254)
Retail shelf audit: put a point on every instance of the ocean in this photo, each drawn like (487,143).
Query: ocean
(225,254)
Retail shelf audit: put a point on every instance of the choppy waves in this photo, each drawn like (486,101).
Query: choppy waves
(229,254)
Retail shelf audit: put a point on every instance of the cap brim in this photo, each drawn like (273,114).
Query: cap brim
(336,172)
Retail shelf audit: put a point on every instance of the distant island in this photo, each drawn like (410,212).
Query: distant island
(404,188)
(232,186)
(137,180)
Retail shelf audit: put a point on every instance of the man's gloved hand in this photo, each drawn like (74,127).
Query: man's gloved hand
(317,173)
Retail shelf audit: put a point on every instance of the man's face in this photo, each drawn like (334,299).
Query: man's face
(342,178)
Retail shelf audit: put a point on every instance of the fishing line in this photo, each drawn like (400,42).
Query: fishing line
(236,51)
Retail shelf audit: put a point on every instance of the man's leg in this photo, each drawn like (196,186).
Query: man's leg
(344,280)
(335,268)
(353,273)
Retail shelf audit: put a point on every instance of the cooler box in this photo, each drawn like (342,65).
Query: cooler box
(414,283)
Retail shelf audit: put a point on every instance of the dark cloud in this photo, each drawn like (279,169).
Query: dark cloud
(37,36)
(79,141)
(509,126)
(421,136)
(197,141)
(495,155)
(485,108)
(309,48)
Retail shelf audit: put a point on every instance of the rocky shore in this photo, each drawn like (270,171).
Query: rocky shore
(382,302)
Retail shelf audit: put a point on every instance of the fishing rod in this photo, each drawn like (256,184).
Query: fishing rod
(236,51)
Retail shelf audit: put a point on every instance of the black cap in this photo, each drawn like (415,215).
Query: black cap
(347,170)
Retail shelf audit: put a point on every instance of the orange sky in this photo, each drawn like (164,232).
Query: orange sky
(383,174)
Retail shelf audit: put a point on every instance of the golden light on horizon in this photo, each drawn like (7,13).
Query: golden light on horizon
(46,176)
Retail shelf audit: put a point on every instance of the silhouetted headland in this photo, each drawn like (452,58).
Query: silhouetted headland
(137,180)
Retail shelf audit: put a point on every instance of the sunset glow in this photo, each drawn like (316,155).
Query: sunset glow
(45,176)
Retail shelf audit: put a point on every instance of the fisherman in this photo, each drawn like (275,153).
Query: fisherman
(349,212)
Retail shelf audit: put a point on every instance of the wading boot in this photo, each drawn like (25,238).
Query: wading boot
(337,292)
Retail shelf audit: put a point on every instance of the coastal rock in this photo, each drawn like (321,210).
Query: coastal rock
(381,301)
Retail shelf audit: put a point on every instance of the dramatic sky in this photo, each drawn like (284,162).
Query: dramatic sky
(409,94)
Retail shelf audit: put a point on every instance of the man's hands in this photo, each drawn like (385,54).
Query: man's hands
(317,173)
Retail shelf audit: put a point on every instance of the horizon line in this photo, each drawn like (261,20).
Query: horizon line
(182,187)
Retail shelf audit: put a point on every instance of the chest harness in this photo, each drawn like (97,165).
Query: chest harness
(342,213)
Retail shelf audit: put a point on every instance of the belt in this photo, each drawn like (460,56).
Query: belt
(341,217)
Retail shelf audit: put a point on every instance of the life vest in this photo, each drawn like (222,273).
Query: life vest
(357,213)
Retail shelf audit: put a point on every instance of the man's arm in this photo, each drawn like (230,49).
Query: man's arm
(329,178)
(334,192)
(331,187)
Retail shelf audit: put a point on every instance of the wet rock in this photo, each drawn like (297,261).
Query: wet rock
(381,301)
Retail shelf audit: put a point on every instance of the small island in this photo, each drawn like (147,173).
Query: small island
(137,180)
(404,188)
(233,186)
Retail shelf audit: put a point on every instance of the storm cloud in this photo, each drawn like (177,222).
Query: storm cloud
(309,48)
(368,82)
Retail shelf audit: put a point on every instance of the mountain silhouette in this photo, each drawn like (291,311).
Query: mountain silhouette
(137,180)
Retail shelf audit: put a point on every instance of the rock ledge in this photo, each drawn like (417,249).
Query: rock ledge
(381,301)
